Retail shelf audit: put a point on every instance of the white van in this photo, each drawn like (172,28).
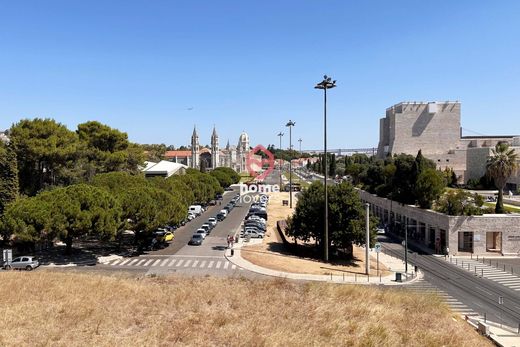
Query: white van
(196,209)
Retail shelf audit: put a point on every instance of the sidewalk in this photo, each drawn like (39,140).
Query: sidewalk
(395,265)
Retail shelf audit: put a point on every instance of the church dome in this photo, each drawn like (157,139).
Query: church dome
(244,138)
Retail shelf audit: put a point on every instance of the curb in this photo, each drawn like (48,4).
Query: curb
(306,277)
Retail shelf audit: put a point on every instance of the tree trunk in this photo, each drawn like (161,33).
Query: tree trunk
(68,243)
(499,207)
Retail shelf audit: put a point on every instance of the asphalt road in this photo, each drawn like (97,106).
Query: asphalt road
(479,294)
(184,233)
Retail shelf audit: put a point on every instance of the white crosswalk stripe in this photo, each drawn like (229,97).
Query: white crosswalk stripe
(133,262)
(177,262)
(490,272)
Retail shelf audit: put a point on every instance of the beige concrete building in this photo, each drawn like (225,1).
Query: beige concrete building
(435,128)
(489,234)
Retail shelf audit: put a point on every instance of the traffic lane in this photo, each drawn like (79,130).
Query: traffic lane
(184,233)
(215,243)
(480,295)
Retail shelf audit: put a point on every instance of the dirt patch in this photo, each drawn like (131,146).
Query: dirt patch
(272,254)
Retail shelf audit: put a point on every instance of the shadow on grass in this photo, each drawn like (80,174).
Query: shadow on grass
(86,252)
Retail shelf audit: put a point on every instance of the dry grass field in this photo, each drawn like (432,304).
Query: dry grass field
(47,308)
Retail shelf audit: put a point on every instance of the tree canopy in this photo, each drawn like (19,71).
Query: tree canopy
(500,166)
(8,175)
(346,217)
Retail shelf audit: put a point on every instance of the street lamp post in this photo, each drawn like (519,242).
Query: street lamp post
(280,134)
(327,83)
(300,141)
(406,246)
(290,124)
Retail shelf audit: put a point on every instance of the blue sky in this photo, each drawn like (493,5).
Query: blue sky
(251,65)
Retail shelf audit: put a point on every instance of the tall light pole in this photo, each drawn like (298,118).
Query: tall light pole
(367,239)
(300,141)
(280,134)
(290,124)
(406,246)
(327,83)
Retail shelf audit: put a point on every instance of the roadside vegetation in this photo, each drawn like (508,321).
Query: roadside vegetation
(60,185)
(346,219)
(57,310)
(416,181)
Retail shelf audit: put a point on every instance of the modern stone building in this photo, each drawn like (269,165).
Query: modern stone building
(435,128)
(489,234)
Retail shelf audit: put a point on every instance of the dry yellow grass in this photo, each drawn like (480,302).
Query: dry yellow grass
(270,253)
(46,308)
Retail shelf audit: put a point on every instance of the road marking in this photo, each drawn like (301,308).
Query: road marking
(202,264)
(180,262)
(172,262)
(187,263)
(210,265)
(226,265)
(156,262)
(164,262)
(218,265)
(148,262)
(125,261)
(133,261)
(195,262)
(116,262)
(140,262)
(233,267)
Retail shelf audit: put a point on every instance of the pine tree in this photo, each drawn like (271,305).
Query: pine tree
(8,176)
(332,165)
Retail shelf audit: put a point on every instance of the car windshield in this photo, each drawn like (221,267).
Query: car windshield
(197,236)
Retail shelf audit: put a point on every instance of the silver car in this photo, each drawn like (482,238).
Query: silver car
(25,262)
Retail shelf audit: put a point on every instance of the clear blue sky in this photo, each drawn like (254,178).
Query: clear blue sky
(251,65)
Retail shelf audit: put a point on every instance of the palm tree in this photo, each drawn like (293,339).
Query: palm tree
(500,167)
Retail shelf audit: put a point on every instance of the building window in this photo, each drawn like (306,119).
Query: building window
(466,241)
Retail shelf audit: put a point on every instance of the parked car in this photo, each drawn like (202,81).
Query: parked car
(206,227)
(255,225)
(221,216)
(212,221)
(253,233)
(25,262)
(196,240)
(196,209)
(202,232)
